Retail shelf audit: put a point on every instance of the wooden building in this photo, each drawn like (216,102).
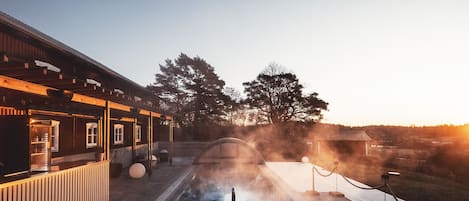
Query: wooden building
(342,142)
(64,118)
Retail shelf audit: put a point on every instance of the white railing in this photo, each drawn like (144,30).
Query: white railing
(83,183)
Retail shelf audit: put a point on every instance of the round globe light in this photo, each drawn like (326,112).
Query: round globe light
(305,159)
(137,171)
(153,160)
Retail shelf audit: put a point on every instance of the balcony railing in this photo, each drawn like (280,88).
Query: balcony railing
(88,182)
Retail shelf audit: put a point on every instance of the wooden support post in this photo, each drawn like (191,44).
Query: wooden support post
(149,141)
(107,131)
(134,140)
(27,115)
(171,139)
(99,152)
(318,151)
(366,148)
(171,131)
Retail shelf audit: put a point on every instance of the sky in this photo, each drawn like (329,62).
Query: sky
(375,62)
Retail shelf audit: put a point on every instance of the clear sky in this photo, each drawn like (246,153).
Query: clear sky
(376,62)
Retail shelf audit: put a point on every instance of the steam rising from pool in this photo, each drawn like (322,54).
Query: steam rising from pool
(215,182)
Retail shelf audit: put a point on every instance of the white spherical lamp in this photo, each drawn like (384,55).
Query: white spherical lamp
(153,160)
(137,171)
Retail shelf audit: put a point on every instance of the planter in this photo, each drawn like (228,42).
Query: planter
(1,169)
(115,169)
(99,156)
(164,155)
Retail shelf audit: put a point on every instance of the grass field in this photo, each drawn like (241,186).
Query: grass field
(411,186)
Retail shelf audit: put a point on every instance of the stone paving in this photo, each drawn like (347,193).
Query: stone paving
(160,183)
(147,188)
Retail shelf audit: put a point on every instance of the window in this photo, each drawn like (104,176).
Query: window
(91,134)
(138,137)
(55,136)
(118,134)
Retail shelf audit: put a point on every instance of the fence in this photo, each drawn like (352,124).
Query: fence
(88,182)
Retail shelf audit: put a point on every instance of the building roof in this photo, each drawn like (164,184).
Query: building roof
(32,32)
(72,64)
(349,135)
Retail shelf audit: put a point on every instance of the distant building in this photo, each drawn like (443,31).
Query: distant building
(349,142)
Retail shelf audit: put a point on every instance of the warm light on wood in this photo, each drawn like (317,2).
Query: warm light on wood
(148,113)
(88,100)
(19,85)
(119,106)
(127,119)
(28,87)
(144,112)
(43,112)
(10,111)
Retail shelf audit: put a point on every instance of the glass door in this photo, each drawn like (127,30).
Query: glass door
(40,135)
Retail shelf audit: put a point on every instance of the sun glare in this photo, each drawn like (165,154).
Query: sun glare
(466,129)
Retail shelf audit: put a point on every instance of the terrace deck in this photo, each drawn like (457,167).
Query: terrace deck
(162,185)
(124,188)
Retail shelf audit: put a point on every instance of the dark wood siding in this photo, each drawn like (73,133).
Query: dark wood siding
(14,144)
(156,130)
(80,135)
(162,132)
(65,133)
(19,48)
(128,134)
(144,123)
(65,137)
(144,133)
(72,134)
